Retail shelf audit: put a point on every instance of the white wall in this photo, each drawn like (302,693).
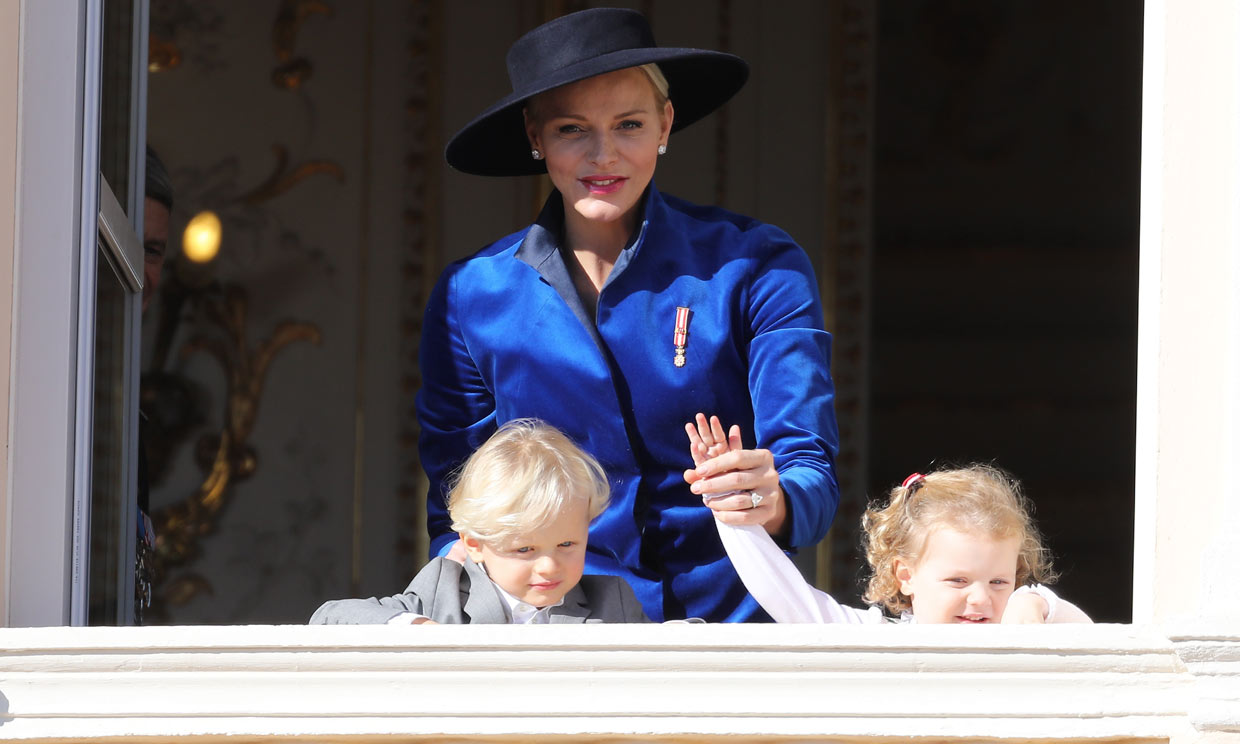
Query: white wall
(1188,437)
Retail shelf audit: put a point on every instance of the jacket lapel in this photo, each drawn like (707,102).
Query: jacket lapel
(574,610)
(540,250)
(483,605)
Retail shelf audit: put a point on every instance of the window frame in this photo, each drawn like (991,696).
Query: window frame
(57,207)
(62,201)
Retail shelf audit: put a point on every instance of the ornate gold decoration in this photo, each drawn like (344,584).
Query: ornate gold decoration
(362,252)
(225,456)
(293,71)
(420,261)
(292,74)
(185,33)
(281,179)
(847,252)
(163,54)
(722,128)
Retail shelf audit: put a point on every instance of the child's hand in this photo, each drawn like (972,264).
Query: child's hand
(423,621)
(740,485)
(1026,608)
(707,440)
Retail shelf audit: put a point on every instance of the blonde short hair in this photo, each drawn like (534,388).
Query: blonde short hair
(977,499)
(522,478)
(657,81)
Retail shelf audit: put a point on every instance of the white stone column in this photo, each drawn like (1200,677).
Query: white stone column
(1188,407)
(1188,412)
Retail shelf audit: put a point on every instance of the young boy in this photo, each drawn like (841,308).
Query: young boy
(522,505)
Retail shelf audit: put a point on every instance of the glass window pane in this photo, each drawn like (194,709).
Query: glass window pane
(108,472)
(116,97)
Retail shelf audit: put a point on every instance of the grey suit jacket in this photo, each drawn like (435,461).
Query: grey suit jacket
(447,592)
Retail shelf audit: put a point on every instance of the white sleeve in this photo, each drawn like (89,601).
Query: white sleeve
(775,582)
(405,618)
(1058,610)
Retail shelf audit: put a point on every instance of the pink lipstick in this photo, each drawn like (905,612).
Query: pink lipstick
(603,184)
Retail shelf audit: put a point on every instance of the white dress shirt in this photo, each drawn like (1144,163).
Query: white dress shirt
(519,613)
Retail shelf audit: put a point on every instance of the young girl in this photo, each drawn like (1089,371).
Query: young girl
(954,546)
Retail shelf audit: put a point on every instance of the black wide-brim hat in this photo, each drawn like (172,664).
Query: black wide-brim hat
(575,47)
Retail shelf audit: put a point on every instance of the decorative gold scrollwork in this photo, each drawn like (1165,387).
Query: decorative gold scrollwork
(293,71)
(225,456)
(281,179)
(163,54)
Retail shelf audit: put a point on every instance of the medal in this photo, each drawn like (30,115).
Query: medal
(681,335)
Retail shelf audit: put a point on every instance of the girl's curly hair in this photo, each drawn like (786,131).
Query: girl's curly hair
(977,498)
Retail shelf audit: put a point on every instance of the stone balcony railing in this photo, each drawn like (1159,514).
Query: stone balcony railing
(633,683)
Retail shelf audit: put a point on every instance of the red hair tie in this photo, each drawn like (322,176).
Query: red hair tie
(912,480)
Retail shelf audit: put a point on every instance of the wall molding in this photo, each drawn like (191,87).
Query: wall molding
(780,683)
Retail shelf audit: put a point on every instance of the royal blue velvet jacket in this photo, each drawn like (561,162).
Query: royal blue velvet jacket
(505,336)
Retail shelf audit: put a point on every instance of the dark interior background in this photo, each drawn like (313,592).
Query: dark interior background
(1006,211)
(963,173)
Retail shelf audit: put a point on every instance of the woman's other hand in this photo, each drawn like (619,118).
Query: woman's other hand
(730,478)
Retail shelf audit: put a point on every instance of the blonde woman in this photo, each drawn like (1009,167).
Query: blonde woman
(622,310)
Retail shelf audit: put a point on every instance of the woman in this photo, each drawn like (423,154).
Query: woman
(621,313)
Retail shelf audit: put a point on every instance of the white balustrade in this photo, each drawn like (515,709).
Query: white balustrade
(632,683)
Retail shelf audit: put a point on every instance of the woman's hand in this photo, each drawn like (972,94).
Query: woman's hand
(730,478)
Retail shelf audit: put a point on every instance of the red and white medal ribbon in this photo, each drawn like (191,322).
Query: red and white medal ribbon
(680,337)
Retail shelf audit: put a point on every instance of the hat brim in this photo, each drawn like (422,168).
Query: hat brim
(494,143)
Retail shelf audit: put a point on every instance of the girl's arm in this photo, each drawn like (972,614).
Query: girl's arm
(773,580)
(1057,610)
(767,572)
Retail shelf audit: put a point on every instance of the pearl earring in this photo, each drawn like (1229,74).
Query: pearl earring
(662,149)
(536,154)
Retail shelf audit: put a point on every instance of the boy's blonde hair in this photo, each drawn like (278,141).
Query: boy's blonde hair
(979,499)
(520,479)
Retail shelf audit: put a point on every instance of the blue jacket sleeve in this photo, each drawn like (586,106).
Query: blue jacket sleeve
(790,384)
(456,410)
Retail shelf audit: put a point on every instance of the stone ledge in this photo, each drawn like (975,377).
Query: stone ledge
(671,682)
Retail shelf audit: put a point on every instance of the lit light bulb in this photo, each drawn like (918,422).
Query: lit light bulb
(201,241)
